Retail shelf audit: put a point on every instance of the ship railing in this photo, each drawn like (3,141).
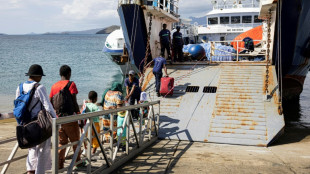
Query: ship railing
(239,53)
(136,139)
(233,26)
(230,6)
(170,6)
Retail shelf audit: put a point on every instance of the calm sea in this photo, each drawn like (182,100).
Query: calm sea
(91,68)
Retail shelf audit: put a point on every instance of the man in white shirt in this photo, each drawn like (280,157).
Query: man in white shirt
(39,157)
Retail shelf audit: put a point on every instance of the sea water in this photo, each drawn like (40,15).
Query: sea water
(91,68)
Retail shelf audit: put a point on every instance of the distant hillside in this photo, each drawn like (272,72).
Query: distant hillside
(2,34)
(108,30)
(91,31)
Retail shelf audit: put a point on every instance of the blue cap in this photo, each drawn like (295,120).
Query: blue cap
(131,72)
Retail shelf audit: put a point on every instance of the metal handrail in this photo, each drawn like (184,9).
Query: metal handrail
(232,6)
(171,5)
(237,54)
(57,122)
(111,162)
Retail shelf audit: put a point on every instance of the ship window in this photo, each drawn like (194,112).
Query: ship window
(235,20)
(212,20)
(209,89)
(224,20)
(192,89)
(246,19)
(256,20)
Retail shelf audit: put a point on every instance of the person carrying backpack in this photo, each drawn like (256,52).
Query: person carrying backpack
(39,157)
(63,97)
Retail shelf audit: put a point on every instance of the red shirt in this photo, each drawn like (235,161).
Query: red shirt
(60,85)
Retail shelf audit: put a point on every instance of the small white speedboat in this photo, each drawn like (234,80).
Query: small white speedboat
(114,43)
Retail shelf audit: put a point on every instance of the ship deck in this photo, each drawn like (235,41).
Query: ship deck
(237,113)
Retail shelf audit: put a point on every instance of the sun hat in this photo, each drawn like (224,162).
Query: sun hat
(35,70)
(143,96)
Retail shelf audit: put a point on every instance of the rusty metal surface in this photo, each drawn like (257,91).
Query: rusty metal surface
(236,114)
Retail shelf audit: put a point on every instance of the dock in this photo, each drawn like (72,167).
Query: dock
(289,154)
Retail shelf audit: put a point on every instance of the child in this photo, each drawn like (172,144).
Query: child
(120,120)
(143,111)
(91,106)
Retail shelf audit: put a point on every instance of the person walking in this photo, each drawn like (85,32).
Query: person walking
(159,64)
(133,89)
(69,130)
(165,41)
(39,157)
(177,45)
(112,98)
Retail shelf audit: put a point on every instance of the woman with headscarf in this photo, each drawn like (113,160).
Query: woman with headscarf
(112,98)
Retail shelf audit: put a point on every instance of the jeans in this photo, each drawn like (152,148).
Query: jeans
(158,76)
(134,98)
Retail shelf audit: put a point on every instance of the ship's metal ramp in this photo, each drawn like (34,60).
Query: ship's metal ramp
(239,114)
(223,103)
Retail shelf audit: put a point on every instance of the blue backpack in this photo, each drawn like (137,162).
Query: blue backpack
(21,103)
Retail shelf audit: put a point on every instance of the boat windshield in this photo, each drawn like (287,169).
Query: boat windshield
(213,20)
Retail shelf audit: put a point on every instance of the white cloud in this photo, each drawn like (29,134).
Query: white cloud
(10,5)
(82,9)
(195,8)
(25,16)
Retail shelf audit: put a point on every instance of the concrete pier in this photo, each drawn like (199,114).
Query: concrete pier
(289,154)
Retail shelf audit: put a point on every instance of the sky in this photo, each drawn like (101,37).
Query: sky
(40,16)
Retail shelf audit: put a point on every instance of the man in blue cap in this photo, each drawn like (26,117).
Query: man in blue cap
(177,45)
(133,89)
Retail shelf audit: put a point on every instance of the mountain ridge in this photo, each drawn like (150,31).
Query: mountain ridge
(106,30)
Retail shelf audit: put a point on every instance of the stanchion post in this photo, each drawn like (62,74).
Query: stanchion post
(89,143)
(55,147)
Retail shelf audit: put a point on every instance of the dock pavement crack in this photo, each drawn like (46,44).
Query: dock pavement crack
(287,165)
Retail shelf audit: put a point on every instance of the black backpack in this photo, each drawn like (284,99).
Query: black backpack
(63,102)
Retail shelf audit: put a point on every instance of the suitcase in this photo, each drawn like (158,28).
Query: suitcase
(166,86)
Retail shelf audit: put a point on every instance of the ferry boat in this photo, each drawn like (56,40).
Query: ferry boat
(228,19)
(234,102)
